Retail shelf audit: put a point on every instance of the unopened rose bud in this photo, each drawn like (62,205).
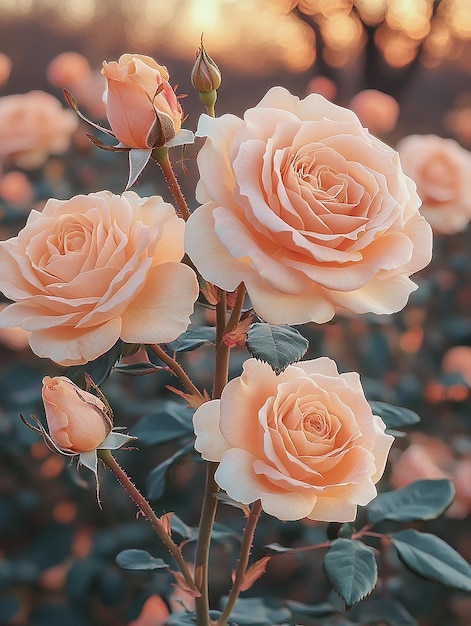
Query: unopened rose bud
(78,421)
(206,79)
(205,75)
(141,106)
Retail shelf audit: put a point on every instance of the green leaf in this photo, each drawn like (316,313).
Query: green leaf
(394,416)
(156,480)
(318,611)
(432,558)
(138,369)
(380,610)
(192,339)
(220,533)
(138,159)
(421,500)
(255,612)
(99,369)
(279,346)
(223,497)
(139,560)
(171,421)
(351,568)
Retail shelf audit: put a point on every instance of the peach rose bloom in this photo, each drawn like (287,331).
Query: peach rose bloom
(33,126)
(462,481)
(457,360)
(323,86)
(16,189)
(95,268)
(376,110)
(5,68)
(306,208)
(77,420)
(304,442)
(415,463)
(67,69)
(141,106)
(441,169)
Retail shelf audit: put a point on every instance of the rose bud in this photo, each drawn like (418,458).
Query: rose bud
(206,79)
(78,421)
(205,75)
(141,106)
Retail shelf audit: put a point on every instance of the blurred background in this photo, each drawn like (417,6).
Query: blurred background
(404,66)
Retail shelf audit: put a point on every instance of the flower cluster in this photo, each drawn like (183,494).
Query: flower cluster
(303,215)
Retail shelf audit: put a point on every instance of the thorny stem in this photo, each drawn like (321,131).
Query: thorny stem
(136,496)
(177,369)
(161,156)
(235,315)
(241,571)
(208,512)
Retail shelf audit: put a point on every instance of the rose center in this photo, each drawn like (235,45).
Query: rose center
(315,419)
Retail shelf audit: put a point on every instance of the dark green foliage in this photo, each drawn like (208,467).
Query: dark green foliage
(394,416)
(421,500)
(351,568)
(432,558)
(139,560)
(279,346)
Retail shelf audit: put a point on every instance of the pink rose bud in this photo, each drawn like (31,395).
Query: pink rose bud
(141,106)
(78,421)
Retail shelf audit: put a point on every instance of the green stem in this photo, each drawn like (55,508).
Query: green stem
(241,571)
(161,156)
(208,512)
(136,496)
(177,369)
(235,315)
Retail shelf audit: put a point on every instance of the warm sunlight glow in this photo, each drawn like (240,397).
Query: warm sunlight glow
(260,36)
(341,32)
(371,11)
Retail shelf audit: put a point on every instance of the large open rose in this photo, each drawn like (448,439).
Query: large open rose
(304,442)
(441,169)
(306,208)
(95,268)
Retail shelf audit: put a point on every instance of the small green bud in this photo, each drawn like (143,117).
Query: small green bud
(205,75)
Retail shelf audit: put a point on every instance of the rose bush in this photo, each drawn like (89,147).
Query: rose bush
(95,268)
(441,169)
(32,126)
(141,106)
(308,209)
(304,442)
(77,420)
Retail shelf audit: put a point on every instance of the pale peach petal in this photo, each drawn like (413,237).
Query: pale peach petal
(333,510)
(200,228)
(288,506)
(163,307)
(277,308)
(209,440)
(72,347)
(238,463)
(378,296)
